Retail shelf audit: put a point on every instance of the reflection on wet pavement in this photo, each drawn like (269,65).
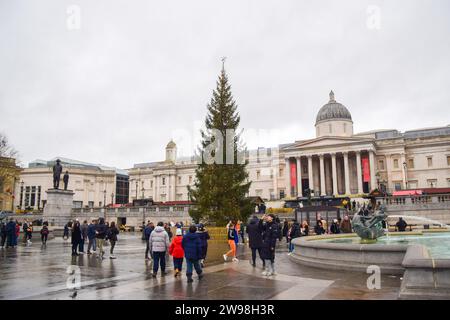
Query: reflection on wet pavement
(37,272)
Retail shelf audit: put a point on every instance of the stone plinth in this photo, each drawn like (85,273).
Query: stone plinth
(58,209)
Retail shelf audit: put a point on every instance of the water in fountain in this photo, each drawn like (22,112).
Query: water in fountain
(423,219)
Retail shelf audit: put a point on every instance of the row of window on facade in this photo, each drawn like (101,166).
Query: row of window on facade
(163,181)
(409,164)
(272,195)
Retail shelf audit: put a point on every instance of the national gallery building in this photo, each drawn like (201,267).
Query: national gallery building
(336,162)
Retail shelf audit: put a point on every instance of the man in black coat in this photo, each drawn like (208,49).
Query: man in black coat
(254,232)
(270,234)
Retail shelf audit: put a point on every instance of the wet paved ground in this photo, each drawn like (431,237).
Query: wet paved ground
(42,273)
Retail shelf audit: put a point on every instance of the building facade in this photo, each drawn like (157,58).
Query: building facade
(337,162)
(94,185)
(9,174)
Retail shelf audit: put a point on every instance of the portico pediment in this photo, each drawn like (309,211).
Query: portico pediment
(328,142)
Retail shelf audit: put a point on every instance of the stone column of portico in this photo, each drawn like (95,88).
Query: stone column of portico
(373,182)
(359,172)
(347,173)
(154,188)
(334,172)
(322,176)
(287,177)
(299,178)
(310,173)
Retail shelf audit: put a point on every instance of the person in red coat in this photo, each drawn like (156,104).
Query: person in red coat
(177,252)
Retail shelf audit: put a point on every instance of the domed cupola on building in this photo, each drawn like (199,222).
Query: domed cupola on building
(171,151)
(334,119)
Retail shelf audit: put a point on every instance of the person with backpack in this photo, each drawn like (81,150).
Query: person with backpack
(159,245)
(204,237)
(113,231)
(44,234)
(177,252)
(192,252)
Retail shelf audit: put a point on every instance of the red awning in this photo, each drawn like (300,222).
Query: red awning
(407,193)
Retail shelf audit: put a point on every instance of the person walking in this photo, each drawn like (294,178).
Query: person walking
(192,251)
(44,234)
(100,235)
(255,239)
(91,237)
(113,231)
(346,225)
(204,237)
(177,252)
(147,232)
(84,230)
(270,234)
(159,245)
(231,234)
(3,234)
(29,234)
(75,237)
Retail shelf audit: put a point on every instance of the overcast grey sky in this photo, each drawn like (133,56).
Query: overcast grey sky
(117,86)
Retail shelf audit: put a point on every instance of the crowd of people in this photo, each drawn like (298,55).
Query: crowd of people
(10,232)
(191,246)
(96,233)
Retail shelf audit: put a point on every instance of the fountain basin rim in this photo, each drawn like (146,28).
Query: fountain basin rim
(311,243)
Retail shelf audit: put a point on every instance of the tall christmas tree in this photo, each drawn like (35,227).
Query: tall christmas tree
(221,185)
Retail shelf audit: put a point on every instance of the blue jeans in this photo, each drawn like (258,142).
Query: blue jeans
(159,258)
(291,246)
(11,240)
(178,263)
(92,244)
(193,263)
(81,245)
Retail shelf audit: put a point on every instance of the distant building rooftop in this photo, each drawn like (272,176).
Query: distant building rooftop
(71,163)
